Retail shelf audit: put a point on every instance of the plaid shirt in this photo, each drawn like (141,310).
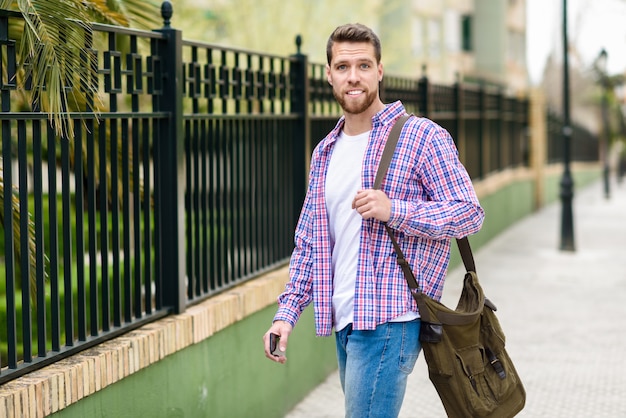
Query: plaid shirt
(433,200)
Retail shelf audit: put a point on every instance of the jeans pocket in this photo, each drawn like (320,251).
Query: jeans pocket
(407,363)
(409,351)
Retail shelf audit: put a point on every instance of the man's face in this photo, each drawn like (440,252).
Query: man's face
(354,75)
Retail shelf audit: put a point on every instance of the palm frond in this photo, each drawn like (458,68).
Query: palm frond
(54,36)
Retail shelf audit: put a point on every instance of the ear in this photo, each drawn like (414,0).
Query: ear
(328,77)
(380,72)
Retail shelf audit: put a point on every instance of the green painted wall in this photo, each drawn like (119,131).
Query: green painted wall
(581,179)
(225,376)
(502,209)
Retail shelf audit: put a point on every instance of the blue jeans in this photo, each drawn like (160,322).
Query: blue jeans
(374,366)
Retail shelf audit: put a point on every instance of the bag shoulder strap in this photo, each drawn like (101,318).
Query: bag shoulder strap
(385,161)
(390,147)
(466,254)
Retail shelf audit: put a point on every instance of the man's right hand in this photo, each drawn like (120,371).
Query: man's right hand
(282,329)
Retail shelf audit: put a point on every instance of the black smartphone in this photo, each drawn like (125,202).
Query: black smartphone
(274,349)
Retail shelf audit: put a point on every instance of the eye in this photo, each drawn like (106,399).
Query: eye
(365,66)
(341,67)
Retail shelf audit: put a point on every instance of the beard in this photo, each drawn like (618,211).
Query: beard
(355,107)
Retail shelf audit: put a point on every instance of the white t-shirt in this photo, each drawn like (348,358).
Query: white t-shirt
(343,180)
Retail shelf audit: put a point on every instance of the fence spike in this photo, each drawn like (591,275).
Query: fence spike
(166,13)
(298,43)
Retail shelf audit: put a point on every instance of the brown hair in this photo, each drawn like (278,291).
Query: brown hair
(353,32)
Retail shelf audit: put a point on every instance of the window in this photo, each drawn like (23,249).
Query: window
(417,37)
(466,33)
(517,47)
(434,38)
(452,30)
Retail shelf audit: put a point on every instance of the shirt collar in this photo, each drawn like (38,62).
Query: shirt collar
(383,118)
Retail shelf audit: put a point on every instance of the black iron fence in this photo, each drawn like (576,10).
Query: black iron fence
(584,146)
(243,163)
(187,181)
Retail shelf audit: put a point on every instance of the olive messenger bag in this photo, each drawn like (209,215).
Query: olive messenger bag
(464,348)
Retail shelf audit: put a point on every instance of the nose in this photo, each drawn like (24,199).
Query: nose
(353,75)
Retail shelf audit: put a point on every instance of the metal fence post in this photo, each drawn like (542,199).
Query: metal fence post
(302,127)
(502,133)
(482,129)
(424,94)
(606,122)
(169,169)
(459,122)
(567,181)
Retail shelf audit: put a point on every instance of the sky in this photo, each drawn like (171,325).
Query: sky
(592,25)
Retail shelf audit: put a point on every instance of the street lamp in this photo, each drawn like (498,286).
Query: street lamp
(601,62)
(567,183)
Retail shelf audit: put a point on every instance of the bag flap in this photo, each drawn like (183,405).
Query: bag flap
(471,359)
(468,309)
